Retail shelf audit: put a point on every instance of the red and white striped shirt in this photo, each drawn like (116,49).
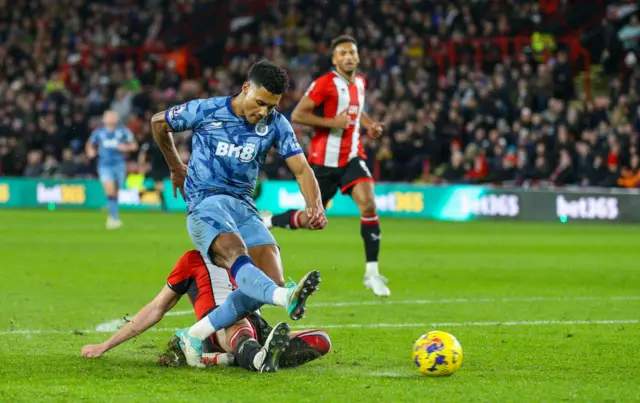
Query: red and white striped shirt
(334,94)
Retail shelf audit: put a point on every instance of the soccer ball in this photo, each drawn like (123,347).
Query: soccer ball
(437,354)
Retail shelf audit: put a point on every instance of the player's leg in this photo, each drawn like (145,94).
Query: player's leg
(120,182)
(304,346)
(359,183)
(108,178)
(267,258)
(159,175)
(328,182)
(213,230)
(240,339)
(261,243)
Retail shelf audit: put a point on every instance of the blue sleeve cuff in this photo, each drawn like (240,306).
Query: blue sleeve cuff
(292,153)
(166,119)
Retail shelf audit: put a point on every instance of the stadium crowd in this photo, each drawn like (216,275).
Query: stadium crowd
(521,120)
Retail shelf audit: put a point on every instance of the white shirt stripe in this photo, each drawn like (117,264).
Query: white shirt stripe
(332,154)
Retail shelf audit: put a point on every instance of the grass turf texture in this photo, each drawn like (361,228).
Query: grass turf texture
(63,271)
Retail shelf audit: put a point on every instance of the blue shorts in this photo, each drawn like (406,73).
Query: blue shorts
(117,174)
(222,213)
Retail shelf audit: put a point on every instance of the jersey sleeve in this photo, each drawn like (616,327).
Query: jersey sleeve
(127,137)
(286,142)
(93,139)
(185,116)
(180,278)
(318,91)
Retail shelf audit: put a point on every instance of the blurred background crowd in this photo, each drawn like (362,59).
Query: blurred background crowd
(471,91)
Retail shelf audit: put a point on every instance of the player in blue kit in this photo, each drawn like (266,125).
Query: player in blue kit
(231,138)
(112,141)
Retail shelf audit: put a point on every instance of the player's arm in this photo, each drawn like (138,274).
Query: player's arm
(148,316)
(374,129)
(162,135)
(130,144)
(316,95)
(303,115)
(90,146)
(177,119)
(366,121)
(310,190)
(288,147)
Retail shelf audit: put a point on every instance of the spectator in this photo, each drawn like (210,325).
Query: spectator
(34,166)
(68,168)
(521,116)
(630,34)
(630,177)
(454,172)
(564,173)
(50,166)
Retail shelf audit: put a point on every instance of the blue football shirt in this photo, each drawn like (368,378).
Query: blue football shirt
(107,142)
(227,150)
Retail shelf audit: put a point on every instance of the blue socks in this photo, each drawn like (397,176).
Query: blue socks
(235,307)
(112,205)
(252,281)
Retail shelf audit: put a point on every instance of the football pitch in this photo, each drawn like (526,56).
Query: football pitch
(544,312)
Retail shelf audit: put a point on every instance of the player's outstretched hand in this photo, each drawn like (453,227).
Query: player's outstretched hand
(93,350)
(317,217)
(178,176)
(342,120)
(376,129)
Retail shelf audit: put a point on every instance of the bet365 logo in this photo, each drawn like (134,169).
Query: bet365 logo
(245,153)
(4,193)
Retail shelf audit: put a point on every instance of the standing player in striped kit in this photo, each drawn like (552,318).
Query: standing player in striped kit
(337,155)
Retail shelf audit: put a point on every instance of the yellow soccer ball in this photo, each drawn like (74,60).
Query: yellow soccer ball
(437,354)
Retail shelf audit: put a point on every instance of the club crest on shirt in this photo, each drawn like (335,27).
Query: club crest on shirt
(262,129)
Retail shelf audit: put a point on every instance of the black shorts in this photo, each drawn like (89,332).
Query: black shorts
(345,178)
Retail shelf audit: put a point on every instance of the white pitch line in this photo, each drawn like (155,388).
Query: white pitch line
(371,326)
(443,301)
(459,324)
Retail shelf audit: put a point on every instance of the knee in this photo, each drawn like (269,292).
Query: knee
(226,257)
(368,208)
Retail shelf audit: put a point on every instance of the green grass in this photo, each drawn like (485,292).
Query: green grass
(61,271)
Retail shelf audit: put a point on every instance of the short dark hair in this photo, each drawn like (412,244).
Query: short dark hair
(270,76)
(342,39)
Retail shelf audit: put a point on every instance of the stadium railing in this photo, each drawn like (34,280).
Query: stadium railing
(450,54)
(578,16)
(186,63)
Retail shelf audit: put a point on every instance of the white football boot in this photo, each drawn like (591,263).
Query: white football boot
(113,223)
(377,284)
